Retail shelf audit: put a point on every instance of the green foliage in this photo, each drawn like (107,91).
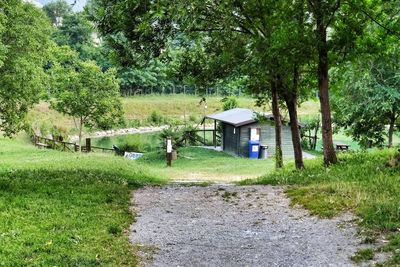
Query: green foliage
(156,118)
(173,132)
(57,11)
(64,208)
(363,255)
(24,38)
(87,94)
(114,229)
(133,143)
(230,102)
(370,99)
(77,32)
(309,132)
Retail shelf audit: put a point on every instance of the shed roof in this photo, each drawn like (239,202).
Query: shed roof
(238,116)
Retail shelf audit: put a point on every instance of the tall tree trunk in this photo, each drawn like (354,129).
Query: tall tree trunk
(291,103)
(391,130)
(294,126)
(323,85)
(278,126)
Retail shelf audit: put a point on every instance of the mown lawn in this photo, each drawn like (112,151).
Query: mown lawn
(137,110)
(366,183)
(200,164)
(66,209)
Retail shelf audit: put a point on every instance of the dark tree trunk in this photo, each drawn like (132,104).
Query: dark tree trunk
(323,84)
(391,131)
(278,126)
(291,103)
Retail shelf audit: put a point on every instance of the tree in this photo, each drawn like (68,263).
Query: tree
(57,11)
(370,98)
(24,38)
(77,32)
(338,24)
(87,94)
(219,39)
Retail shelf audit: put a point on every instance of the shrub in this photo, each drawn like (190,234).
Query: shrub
(175,134)
(193,118)
(156,118)
(59,133)
(229,102)
(134,123)
(132,143)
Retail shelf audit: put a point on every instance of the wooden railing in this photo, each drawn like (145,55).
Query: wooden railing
(43,142)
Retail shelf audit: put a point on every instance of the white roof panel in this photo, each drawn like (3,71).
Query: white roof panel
(237,116)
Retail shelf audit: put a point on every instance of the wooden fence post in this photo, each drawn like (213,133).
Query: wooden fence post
(88,145)
(215,134)
(169,151)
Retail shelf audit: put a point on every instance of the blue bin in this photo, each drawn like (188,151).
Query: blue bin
(254,149)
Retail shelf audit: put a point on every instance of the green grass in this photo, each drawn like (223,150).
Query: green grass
(362,183)
(193,164)
(171,107)
(341,138)
(200,164)
(66,209)
(363,255)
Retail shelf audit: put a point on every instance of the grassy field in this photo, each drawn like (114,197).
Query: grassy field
(72,209)
(193,164)
(366,183)
(200,164)
(66,209)
(171,108)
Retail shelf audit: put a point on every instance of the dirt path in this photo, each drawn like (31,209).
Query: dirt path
(234,226)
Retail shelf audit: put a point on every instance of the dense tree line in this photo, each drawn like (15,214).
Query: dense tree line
(280,52)
(283,48)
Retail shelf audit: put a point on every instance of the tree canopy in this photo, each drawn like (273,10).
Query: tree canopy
(87,94)
(24,39)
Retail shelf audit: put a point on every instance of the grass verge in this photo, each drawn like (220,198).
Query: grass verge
(198,164)
(66,209)
(362,183)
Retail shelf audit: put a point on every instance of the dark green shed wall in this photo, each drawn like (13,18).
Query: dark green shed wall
(237,143)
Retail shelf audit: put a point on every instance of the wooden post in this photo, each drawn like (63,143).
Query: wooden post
(76,146)
(88,145)
(169,151)
(204,132)
(215,134)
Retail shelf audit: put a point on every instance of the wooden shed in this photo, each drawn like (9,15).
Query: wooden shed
(240,125)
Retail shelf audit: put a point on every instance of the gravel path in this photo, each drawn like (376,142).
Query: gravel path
(225,225)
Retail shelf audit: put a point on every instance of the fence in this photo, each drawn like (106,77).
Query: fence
(43,142)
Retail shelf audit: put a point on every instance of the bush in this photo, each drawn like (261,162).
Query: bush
(59,133)
(175,134)
(156,118)
(132,143)
(229,102)
(193,118)
(134,123)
